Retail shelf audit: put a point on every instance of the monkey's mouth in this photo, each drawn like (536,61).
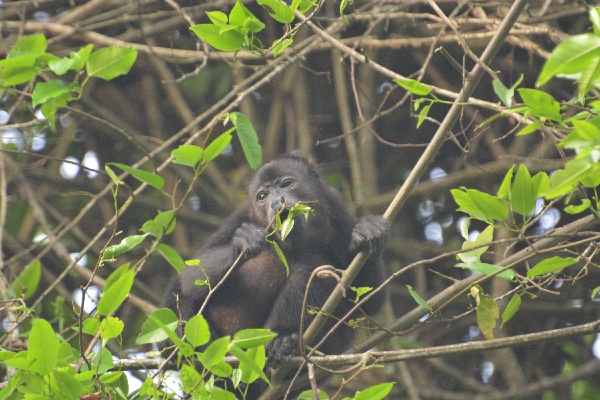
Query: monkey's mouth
(284,213)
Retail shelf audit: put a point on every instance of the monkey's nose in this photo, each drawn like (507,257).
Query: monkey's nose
(278,204)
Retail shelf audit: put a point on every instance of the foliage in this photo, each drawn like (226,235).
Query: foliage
(238,30)
(28,60)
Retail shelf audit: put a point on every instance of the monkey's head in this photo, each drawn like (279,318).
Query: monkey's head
(281,183)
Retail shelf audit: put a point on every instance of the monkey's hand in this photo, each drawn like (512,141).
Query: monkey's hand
(370,234)
(281,346)
(249,238)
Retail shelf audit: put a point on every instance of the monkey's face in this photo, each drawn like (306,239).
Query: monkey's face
(279,185)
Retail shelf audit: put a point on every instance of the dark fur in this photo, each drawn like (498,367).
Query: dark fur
(258,294)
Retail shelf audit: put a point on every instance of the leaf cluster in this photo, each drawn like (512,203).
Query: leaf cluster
(27,60)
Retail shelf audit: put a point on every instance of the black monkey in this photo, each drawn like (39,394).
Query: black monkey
(258,294)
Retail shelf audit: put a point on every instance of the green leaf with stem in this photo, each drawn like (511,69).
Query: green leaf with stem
(523,194)
(413,86)
(511,309)
(420,301)
(550,265)
(116,292)
(110,62)
(141,175)
(43,347)
(187,154)
(248,139)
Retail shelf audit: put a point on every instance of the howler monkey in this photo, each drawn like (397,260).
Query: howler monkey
(258,294)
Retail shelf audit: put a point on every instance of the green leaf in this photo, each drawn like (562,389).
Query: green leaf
(486,236)
(257,355)
(480,205)
(565,180)
(360,291)
(215,352)
(101,362)
(43,347)
(550,265)
(505,94)
(423,114)
(189,379)
(36,44)
(487,315)
(303,5)
(197,331)
(286,227)
(523,194)
(224,41)
(222,369)
(420,301)
(570,57)
(163,224)
(488,269)
(67,384)
(19,61)
(110,62)
(238,14)
(217,146)
(141,175)
(511,309)
(504,189)
(595,292)
(159,326)
(12,76)
(187,154)
(573,209)
(172,257)
(112,175)
(541,183)
(376,392)
(248,338)
(530,128)
(343,5)
(81,56)
(414,86)
(116,293)
(589,75)
(126,245)
(248,139)
(60,66)
(592,178)
(541,104)
(217,17)
(44,91)
(248,362)
(27,282)
(280,45)
(281,256)
(91,326)
(116,274)
(464,228)
(280,12)
(309,395)
(110,328)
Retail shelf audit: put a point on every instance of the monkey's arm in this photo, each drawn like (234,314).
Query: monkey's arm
(370,234)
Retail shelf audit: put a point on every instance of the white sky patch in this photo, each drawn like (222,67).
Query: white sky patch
(90,160)
(69,170)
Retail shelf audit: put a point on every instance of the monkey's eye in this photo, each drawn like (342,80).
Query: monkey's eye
(261,196)
(286,183)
